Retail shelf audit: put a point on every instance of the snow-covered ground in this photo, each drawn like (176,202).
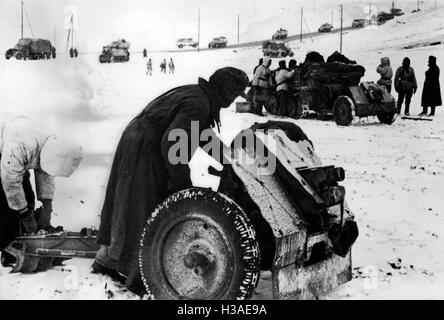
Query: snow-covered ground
(394,174)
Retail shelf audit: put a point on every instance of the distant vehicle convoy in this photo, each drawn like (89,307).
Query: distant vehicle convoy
(117,51)
(184,42)
(326,27)
(32,49)
(276,49)
(382,16)
(220,42)
(280,34)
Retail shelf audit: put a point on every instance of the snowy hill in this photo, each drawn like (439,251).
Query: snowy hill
(394,173)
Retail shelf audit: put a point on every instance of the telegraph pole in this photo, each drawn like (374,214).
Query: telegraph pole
(340,43)
(22,21)
(238,26)
(198,31)
(331,16)
(302,15)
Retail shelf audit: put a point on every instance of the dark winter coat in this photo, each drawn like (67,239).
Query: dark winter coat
(431,93)
(141,175)
(405,79)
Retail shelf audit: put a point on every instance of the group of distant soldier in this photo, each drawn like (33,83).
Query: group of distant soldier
(277,86)
(406,85)
(73,53)
(267,83)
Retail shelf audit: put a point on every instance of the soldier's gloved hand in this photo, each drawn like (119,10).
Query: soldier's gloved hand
(27,218)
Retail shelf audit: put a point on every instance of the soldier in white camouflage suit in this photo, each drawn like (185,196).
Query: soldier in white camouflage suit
(27,145)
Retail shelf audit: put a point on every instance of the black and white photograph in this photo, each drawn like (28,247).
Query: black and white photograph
(221,150)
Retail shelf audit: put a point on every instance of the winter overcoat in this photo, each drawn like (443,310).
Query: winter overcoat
(431,93)
(142,175)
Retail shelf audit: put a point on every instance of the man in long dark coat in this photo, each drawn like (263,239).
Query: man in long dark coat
(142,175)
(431,93)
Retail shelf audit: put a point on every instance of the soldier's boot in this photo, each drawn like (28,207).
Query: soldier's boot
(423,113)
(43,218)
(432,111)
(407,110)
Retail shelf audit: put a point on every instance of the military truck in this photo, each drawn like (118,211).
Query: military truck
(358,23)
(280,34)
(219,42)
(30,49)
(276,49)
(383,17)
(117,51)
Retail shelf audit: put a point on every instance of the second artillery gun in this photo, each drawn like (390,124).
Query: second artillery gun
(333,88)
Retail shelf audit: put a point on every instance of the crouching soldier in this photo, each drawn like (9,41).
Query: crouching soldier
(142,173)
(27,145)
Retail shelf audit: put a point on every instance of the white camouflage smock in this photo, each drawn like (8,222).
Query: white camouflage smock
(21,141)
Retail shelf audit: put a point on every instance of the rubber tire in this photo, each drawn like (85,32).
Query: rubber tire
(180,46)
(386,117)
(228,215)
(342,111)
(19,56)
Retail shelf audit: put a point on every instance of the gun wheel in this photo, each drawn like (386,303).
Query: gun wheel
(343,111)
(199,244)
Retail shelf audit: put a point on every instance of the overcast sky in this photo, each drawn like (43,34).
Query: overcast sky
(145,23)
(103,20)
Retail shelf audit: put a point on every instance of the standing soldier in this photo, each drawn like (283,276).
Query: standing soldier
(163,66)
(149,67)
(261,86)
(71,52)
(386,73)
(144,52)
(53,52)
(76,53)
(171,66)
(431,94)
(405,85)
(282,77)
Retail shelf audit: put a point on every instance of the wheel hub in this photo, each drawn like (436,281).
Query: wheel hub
(196,259)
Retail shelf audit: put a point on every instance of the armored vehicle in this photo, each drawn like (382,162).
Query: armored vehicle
(280,34)
(326,27)
(276,49)
(220,42)
(117,51)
